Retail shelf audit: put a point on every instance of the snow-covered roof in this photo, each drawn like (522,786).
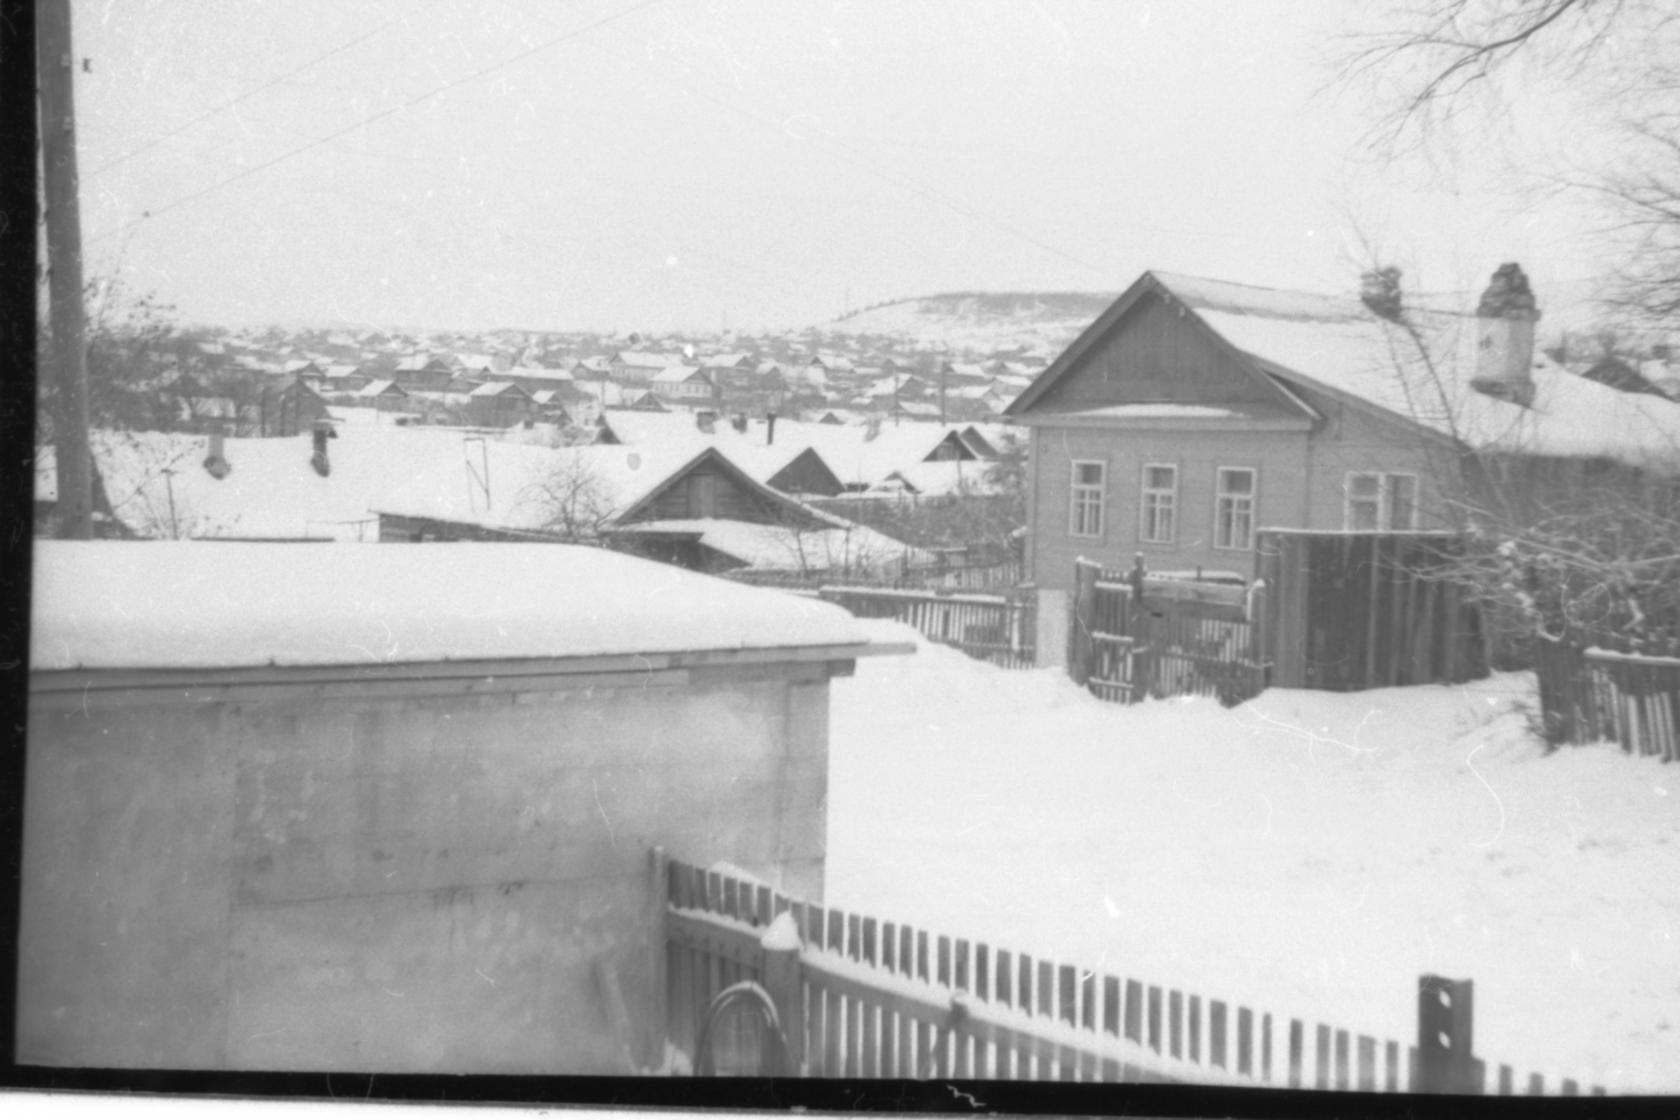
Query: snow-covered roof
(189,605)
(856,458)
(941,477)
(496,389)
(380,387)
(676,373)
(502,485)
(1336,343)
(782,548)
(646,358)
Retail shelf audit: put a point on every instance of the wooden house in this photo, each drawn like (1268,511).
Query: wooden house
(290,808)
(1193,412)
(684,384)
(422,371)
(384,393)
(499,403)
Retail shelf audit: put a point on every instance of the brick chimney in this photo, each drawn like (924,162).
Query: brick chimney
(706,420)
(1505,321)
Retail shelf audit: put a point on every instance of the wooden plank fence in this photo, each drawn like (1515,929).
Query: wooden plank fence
(990,628)
(863,997)
(1591,695)
(1133,636)
(1351,611)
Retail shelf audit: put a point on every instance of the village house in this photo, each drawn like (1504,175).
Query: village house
(678,501)
(328,808)
(684,384)
(1193,412)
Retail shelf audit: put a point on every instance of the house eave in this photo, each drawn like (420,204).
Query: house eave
(1167,423)
(438,677)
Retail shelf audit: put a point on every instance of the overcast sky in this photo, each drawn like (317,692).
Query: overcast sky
(627,164)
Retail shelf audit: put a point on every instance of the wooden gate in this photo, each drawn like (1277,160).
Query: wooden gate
(1133,635)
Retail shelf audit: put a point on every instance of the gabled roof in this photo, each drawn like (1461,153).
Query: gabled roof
(1417,373)
(1150,283)
(380,387)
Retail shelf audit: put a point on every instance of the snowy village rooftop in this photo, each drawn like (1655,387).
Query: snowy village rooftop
(201,605)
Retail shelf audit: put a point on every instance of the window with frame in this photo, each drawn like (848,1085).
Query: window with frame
(1233,513)
(1380,502)
(1158,509)
(1089,484)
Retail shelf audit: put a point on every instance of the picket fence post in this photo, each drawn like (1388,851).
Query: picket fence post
(785,985)
(657,1014)
(1445,1063)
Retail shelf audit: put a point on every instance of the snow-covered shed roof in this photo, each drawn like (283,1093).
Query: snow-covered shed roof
(783,548)
(200,605)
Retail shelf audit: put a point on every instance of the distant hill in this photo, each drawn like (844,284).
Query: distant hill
(1038,322)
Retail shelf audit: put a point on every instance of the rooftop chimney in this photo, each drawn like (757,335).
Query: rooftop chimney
(769,427)
(1505,337)
(740,422)
(872,428)
(1380,291)
(215,461)
(318,459)
(706,420)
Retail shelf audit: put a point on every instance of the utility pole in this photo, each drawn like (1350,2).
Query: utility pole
(68,323)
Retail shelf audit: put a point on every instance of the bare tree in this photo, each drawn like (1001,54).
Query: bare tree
(572,498)
(1439,69)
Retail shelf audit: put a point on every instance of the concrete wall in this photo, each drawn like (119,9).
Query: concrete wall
(1280,458)
(402,884)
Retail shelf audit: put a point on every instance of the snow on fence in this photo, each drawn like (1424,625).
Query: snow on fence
(1588,695)
(984,577)
(859,997)
(986,627)
(1133,635)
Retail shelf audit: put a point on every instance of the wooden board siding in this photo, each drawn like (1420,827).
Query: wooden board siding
(733,501)
(1354,440)
(1156,354)
(1279,457)
(806,474)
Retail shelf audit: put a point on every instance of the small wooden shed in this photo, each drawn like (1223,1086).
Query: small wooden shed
(352,807)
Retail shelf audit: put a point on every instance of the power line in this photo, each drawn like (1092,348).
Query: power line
(381,115)
(252,92)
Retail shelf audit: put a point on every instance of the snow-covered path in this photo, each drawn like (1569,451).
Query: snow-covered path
(1308,854)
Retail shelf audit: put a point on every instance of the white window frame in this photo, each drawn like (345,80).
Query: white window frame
(1146,492)
(1250,499)
(1076,490)
(1385,511)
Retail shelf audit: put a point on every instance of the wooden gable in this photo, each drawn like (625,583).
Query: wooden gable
(1148,349)
(710,486)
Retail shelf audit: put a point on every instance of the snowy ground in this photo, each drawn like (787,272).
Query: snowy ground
(1308,854)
